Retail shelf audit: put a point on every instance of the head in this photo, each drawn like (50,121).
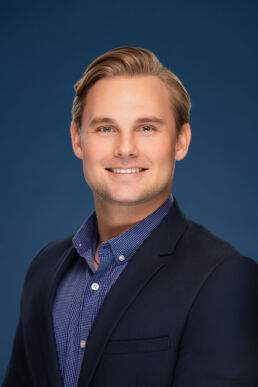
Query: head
(130,124)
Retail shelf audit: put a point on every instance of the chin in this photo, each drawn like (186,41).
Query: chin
(129,199)
(124,200)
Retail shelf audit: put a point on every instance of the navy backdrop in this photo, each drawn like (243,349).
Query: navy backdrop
(45,47)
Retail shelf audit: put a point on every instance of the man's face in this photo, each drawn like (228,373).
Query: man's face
(128,141)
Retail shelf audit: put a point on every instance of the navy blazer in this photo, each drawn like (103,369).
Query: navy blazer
(183,313)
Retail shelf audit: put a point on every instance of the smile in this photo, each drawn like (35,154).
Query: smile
(129,170)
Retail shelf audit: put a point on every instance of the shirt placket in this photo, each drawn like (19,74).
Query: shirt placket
(92,300)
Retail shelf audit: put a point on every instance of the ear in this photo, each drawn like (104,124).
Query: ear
(76,140)
(183,142)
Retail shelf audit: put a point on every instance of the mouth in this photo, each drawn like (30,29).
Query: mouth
(126,170)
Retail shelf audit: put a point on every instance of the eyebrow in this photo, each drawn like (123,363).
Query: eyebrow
(141,120)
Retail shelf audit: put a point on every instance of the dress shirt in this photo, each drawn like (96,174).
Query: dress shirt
(83,289)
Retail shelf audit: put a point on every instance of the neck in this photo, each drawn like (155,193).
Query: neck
(114,219)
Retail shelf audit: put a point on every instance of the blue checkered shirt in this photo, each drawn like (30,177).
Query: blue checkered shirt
(83,289)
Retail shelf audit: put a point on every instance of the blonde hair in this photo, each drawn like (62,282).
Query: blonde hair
(131,61)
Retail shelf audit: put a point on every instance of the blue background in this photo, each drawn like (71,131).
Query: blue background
(45,47)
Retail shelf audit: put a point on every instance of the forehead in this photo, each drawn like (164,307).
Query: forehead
(128,95)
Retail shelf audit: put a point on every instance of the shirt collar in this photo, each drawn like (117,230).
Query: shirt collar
(85,239)
(127,243)
(123,246)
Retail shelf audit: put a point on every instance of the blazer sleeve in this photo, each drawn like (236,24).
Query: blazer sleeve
(17,372)
(219,347)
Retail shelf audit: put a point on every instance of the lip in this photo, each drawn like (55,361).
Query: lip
(126,167)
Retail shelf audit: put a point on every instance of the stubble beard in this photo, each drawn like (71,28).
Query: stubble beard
(149,194)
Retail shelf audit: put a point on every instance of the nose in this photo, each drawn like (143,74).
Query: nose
(125,146)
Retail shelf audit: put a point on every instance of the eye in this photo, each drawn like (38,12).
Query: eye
(146,128)
(105,129)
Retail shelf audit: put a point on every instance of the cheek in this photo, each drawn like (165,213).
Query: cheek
(162,153)
(94,152)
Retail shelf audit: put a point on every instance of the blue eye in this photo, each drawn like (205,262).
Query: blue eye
(146,128)
(105,129)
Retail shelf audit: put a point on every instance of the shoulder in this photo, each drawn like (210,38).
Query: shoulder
(217,248)
(200,258)
(231,276)
(195,243)
(201,239)
(49,255)
(54,248)
(204,247)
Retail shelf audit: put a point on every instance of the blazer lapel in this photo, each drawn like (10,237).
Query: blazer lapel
(141,268)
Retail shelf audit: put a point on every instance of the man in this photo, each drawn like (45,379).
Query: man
(140,295)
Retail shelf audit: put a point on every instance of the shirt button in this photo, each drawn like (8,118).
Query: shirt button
(95,286)
(121,258)
(83,343)
(80,245)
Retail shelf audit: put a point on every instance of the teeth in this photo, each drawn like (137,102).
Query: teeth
(131,170)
